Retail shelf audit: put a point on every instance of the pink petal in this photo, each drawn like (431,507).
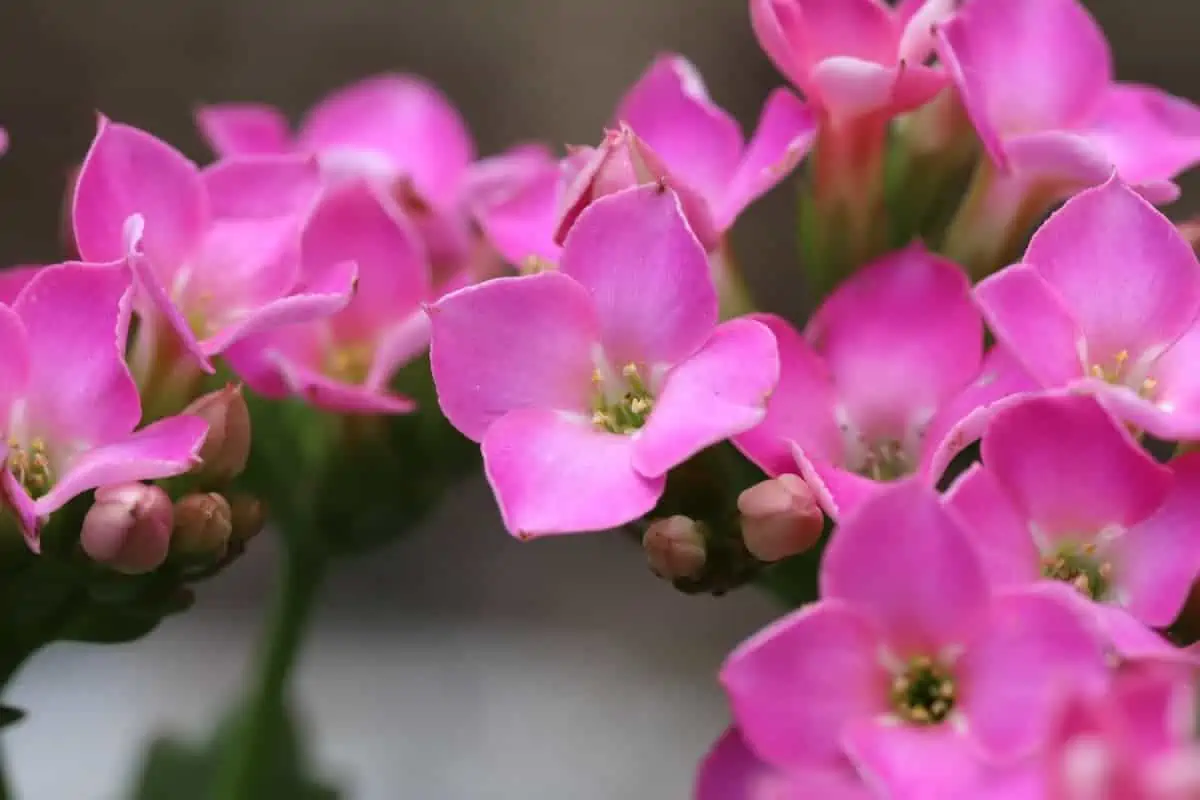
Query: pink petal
(923,763)
(1025,65)
(18,501)
(240,129)
(13,280)
(639,238)
(127,172)
(920,20)
(1148,134)
(1055,157)
(1172,411)
(799,410)
(1071,468)
(1033,323)
(731,771)
(901,337)
(849,88)
(999,531)
(797,684)
(515,201)
(168,447)
(784,136)
(902,558)
(15,362)
(670,109)
(160,308)
(1127,275)
(76,317)
(512,343)
(404,121)
(241,264)
(1158,560)
(262,186)
(718,392)
(338,396)
(536,458)
(839,492)
(1033,647)
(1130,639)
(1158,417)
(399,344)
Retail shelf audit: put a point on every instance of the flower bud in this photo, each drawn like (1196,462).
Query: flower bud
(227,445)
(128,528)
(247,516)
(675,548)
(780,518)
(203,525)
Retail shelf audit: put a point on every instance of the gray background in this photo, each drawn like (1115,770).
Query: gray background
(458,664)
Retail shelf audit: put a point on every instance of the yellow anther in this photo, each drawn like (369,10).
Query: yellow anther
(629,370)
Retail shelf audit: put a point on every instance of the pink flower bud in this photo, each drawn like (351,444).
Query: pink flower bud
(780,518)
(203,525)
(128,528)
(247,516)
(227,445)
(675,548)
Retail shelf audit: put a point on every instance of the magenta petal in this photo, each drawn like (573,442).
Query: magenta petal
(1158,560)
(1063,158)
(514,198)
(647,274)
(263,186)
(76,317)
(15,362)
(903,761)
(1071,468)
(998,529)
(1034,646)
(795,685)
(731,771)
(1149,135)
(848,88)
(1129,637)
(1032,322)
(512,343)
(18,501)
(243,129)
(13,280)
(537,458)
(151,288)
(905,561)
(800,410)
(839,492)
(1130,279)
(168,447)
(333,395)
(784,136)
(397,345)
(128,172)
(718,392)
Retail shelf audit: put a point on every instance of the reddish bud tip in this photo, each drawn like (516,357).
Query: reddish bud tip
(227,445)
(675,548)
(128,528)
(780,518)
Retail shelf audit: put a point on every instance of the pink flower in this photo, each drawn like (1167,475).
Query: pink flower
(344,362)
(587,384)
(67,401)
(208,278)
(399,131)
(731,771)
(669,129)
(1065,492)
(1106,302)
(908,664)
(1036,79)
(888,380)
(514,198)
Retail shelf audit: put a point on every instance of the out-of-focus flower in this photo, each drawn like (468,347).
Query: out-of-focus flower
(780,518)
(344,362)
(128,528)
(731,771)
(1065,493)
(886,382)
(202,278)
(227,446)
(514,197)
(1105,301)
(909,664)
(68,405)
(587,384)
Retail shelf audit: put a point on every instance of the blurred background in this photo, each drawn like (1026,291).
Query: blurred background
(457,663)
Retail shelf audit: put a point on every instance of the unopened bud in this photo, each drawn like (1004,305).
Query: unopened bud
(675,548)
(227,445)
(780,518)
(247,516)
(203,525)
(128,528)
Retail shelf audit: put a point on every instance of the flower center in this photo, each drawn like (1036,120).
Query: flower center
(31,466)
(350,363)
(1118,372)
(887,460)
(622,405)
(1080,567)
(924,692)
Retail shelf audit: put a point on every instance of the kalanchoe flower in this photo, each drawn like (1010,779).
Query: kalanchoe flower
(68,405)
(1065,493)
(908,652)
(886,382)
(514,198)
(344,362)
(1036,79)
(731,771)
(204,279)
(586,385)
(399,131)
(1106,301)
(128,528)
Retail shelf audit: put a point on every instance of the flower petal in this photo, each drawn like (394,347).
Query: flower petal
(128,172)
(731,771)
(157,307)
(400,343)
(18,501)
(514,198)
(241,129)
(337,396)
(1149,135)
(262,186)
(1129,278)
(997,528)
(13,280)
(839,492)
(796,684)
(15,363)
(512,343)
(1064,158)
(903,559)
(555,473)
(848,88)
(647,274)
(904,761)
